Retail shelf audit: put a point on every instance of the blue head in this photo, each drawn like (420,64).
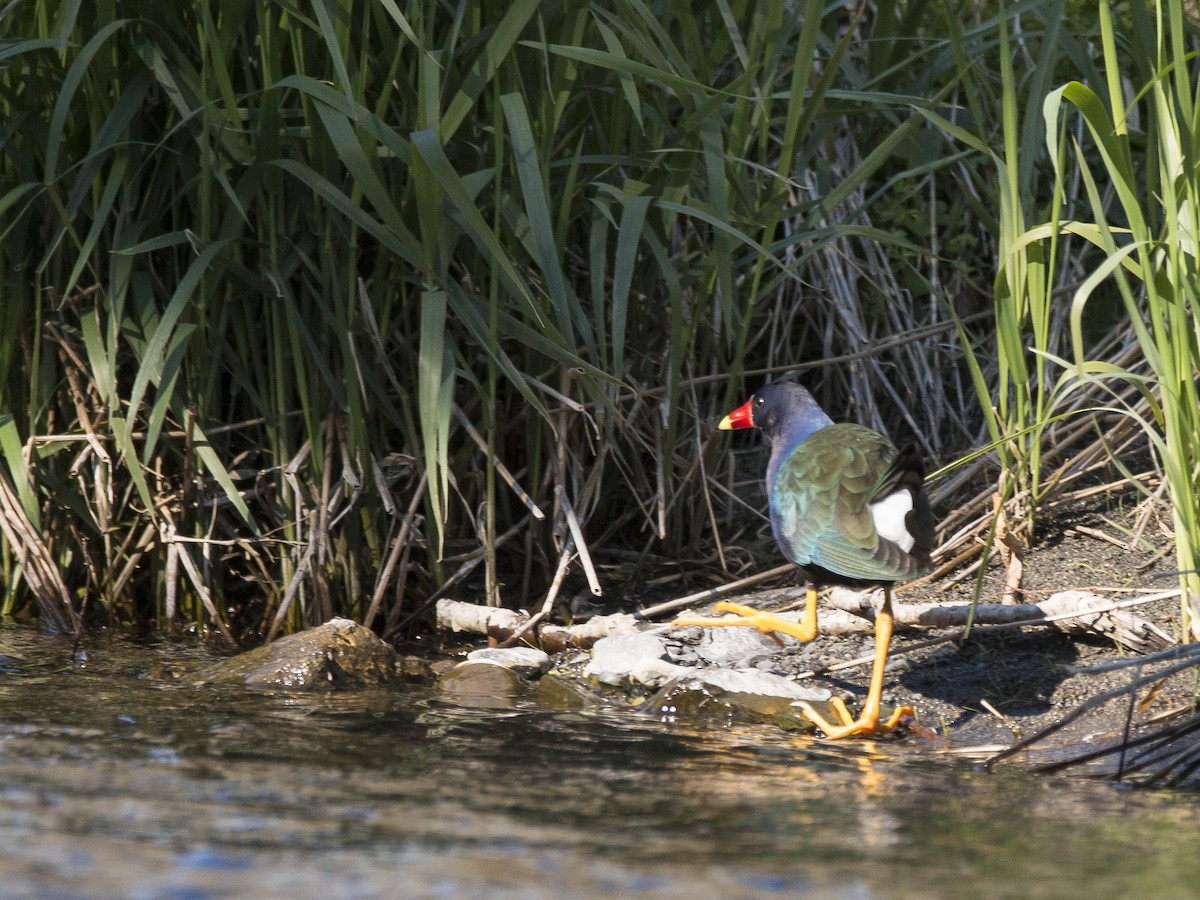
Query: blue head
(786,413)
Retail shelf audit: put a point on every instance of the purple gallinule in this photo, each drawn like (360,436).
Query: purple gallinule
(847,508)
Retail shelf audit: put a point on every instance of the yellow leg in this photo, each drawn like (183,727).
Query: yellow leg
(868,721)
(748,617)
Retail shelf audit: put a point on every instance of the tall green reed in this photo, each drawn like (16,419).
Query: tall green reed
(1145,208)
(265,260)
(1009,366)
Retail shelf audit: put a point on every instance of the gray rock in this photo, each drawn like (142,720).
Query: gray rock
(338,655)
(642,659)
(658,672)
(735,647)
(748,695)
(615,658)
(527,662)
(762,684)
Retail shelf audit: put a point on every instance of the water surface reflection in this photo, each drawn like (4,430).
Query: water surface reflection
(124,779)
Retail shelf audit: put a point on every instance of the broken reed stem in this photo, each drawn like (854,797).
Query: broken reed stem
(298,577)
(560,574)
(133,558)
(171,601)
(174,433)
(399,545)
(501,469)
(577,535)
(1100,535)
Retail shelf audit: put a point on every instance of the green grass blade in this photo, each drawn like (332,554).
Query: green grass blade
(435,394)
(150,367)
(10,450)
(498,47)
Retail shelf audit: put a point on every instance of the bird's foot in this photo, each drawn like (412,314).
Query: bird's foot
(868,723)
(749,617)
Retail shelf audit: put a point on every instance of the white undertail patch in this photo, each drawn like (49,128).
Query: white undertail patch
(888,515)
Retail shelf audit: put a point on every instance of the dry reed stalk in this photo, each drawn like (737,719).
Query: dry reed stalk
(199,584)
(400,548)
(37,564)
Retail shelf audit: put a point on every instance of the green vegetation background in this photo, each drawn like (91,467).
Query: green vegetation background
(332,307)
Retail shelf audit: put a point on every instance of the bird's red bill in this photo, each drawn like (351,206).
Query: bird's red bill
(739,418)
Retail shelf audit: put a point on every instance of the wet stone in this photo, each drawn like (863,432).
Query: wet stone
(415,668)
(615,658)
(657,672)
(753,683)
(483,684)
(747,695)
(559,693)
(524,661)
(338,655)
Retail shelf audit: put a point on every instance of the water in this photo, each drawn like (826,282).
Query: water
(123,779)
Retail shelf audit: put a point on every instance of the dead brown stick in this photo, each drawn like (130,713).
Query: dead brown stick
(650,612)
(1099,535)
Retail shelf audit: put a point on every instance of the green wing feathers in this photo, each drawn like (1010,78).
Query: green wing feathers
(821,505)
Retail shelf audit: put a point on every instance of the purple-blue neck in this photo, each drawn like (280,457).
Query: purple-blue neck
(790,416)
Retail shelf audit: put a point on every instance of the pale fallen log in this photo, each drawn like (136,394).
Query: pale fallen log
(500,624)
(1075,612)
(455,615)
(851,612)
(1098,614)
(556,638)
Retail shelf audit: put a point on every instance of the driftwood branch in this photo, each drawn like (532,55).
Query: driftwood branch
(501,624)
(1074,612)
